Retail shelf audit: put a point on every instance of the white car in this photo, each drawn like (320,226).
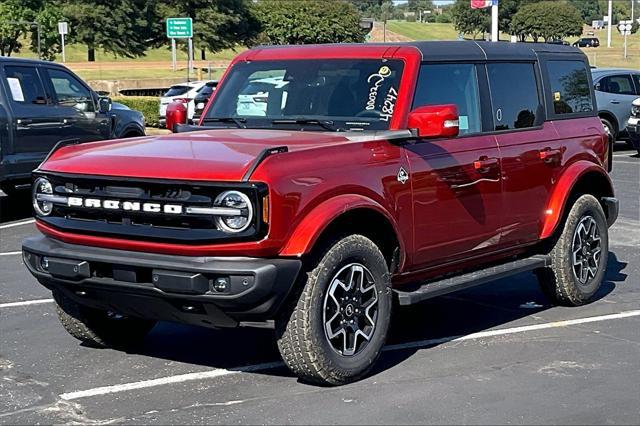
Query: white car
(185,93)
(252,101)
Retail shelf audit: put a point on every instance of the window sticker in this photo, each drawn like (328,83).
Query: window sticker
(463,122)
(16,89)
(557,96)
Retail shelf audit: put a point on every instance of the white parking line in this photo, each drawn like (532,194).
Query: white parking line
(19,223)
(10,253)
(219,372)
(25,303)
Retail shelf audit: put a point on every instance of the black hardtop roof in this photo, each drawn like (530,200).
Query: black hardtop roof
(486,50)
(467,50)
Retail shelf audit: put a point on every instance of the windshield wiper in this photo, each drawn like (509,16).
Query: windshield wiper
(235,120)
(325,124)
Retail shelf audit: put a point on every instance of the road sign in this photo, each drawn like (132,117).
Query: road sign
(63,28)
(179,28)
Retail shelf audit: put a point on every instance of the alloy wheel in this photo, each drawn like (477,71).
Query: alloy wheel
(350,309)
(586,249)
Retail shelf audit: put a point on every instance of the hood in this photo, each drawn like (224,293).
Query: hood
(220,154)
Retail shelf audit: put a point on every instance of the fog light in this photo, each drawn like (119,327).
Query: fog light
(221,284)
(44,263)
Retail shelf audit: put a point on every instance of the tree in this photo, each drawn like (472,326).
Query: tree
(308,21)
(548,20)
(217,24)
(11,30)
(589,9)
(48,17)
(508,8)
(419,7)
(119,27)
(470,21)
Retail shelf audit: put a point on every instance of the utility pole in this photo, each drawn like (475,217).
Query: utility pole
(610,23)
(633,3)
(494,22)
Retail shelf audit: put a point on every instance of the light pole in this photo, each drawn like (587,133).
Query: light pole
(610,23)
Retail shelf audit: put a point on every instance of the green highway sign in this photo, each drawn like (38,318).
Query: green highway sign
(179,28)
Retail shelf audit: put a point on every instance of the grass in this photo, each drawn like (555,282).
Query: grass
(600,57)
(419,31)
(143,73)
(78,53)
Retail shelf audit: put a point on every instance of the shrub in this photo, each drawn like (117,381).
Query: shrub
(147,105)
(445,18)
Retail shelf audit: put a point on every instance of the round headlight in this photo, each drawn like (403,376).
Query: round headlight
(42,186)
(235,200)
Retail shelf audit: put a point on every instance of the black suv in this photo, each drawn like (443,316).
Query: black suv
(587,42)
(42,104)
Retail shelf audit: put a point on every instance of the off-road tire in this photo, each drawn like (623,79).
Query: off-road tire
(559,282)
(96,328)
(302,341)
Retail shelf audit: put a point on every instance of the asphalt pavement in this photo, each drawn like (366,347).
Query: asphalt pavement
(496,354)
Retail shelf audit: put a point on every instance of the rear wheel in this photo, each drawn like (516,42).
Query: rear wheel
(579,256)
(334,331)
(100,328)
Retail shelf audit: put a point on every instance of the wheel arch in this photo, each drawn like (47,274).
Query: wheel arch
(581,178)
(347,214)
(611,117)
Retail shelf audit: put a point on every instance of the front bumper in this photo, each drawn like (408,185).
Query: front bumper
(163,287)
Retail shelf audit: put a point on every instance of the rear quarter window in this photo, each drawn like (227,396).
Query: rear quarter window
(569,87)
(177,90)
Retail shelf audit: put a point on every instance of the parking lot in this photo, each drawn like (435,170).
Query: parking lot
(495,354)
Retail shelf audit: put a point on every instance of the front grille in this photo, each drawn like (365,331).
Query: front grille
(152,226)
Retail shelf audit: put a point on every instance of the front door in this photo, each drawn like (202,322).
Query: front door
(617,92)
(33,129)
(75,107)
(457,195)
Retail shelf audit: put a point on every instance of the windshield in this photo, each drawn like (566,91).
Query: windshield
(177,90)
(347,94)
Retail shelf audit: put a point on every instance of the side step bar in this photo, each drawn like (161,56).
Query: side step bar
(471,279)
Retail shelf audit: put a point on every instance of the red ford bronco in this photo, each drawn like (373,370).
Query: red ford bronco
(323,185)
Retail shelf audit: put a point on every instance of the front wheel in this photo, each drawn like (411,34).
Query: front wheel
(579,256)
(334,332)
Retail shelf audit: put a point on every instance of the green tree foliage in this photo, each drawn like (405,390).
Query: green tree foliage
(12,12)
(308,21)
(48,17)
(508,8)
(119,27)
(590,10)
(548,20)
(470,21)
(217,24)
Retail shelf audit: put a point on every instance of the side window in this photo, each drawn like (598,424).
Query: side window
(569,86)
(451,84)
(24,85)
(514,93)
(616,84)
(636,80)
(70,91)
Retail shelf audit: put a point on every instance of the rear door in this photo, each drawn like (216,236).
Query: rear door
(457,198)
(617,92)
(75,107)
(530,148)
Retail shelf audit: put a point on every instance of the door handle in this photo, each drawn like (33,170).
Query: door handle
(68,121)
(614,101)
(24,121)
(484,164)
(549,155)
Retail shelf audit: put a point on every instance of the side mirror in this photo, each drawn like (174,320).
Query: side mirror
(104,104)
(435,121)
(176,114)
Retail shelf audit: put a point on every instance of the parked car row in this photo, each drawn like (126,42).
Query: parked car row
(615,89)
(187,93)
(633,127)
(43,104)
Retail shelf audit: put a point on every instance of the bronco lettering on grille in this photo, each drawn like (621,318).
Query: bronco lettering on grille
(134,206)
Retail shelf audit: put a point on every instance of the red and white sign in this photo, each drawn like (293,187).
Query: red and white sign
(481,4)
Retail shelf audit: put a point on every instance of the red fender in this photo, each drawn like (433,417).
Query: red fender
(313,224)
(558,199)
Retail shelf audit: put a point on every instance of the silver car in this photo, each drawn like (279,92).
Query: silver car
(615,89)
